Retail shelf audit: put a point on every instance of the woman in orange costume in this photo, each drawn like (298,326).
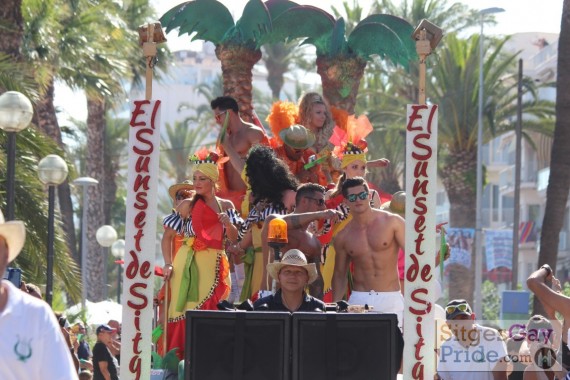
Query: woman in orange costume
(350,148)
(313,113)
(199,275)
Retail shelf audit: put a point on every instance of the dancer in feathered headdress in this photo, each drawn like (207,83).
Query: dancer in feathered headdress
(313,113)
(199,274)
(350,149)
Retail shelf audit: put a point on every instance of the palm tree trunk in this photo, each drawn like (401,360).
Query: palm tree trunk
(46,120)
(13,27)
(110,186)
(559,180)
(95,216)
(340,77)
(237,74)
(457,174)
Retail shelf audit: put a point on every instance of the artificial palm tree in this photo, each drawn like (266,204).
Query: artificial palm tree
(238,45)
(341,59)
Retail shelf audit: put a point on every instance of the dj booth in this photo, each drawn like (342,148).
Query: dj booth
(251,345)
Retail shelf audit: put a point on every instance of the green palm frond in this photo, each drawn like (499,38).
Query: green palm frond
(377,39)
(210,20)
(276,7)
(18,76)
(400,27)
(338,44)
(31,208)
(311,23)
(254,24)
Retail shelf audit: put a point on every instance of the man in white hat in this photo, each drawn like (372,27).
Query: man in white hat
(293,274)
(31,343)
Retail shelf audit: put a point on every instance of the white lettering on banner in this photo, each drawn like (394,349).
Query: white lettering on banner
(421,164)
(140,239)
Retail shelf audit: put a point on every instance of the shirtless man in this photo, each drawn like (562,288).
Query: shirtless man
(371,241)
(240,136)
(309,207)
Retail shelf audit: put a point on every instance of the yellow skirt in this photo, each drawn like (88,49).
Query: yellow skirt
(327,268)
(213,279)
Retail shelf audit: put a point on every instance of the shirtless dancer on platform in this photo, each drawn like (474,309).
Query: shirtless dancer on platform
(240,136)
(309,208)
(238,139)
(371,241)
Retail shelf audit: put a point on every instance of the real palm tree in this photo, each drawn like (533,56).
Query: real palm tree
(559,180)
(178,143)
(19,75)
(277,58)
(31,207)
(455,90)
(238,45)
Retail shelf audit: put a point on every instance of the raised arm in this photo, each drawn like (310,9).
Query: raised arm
(379,163)
(295,221)
(225,218)
(237,162)
(555,300)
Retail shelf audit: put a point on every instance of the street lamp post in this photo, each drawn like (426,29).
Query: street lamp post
(479,180)
(52,171)
(16,113)
(84,182)
(118,251)
(106,235)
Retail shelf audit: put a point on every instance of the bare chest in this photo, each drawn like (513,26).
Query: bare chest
(361,239)
(240,143)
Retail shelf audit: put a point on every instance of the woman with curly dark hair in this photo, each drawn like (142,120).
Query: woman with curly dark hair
(273,189)
(268,176)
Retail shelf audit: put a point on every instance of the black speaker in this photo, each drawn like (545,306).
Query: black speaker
(345,346)
(237,345)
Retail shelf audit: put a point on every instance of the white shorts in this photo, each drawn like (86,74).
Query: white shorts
(382,302)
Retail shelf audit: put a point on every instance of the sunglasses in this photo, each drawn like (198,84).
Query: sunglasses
(361,196)
(461,307)
(180,197)
(218,116)
(320,202)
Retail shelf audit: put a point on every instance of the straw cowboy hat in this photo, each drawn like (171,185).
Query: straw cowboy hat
(15,234)
(297,137)
(296,258)
(172,190)
(397,205)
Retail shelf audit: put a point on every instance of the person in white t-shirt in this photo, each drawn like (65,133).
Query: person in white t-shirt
(31,343)
(472,352)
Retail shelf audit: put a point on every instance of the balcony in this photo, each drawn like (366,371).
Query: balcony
(529,178)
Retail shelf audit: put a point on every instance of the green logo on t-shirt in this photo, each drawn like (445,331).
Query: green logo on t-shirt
(23,349)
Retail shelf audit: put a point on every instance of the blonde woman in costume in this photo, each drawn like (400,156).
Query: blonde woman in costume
(199,274)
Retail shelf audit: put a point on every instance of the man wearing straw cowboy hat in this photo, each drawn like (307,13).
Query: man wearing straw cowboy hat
(296,153)
(31,343)
(293,274)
